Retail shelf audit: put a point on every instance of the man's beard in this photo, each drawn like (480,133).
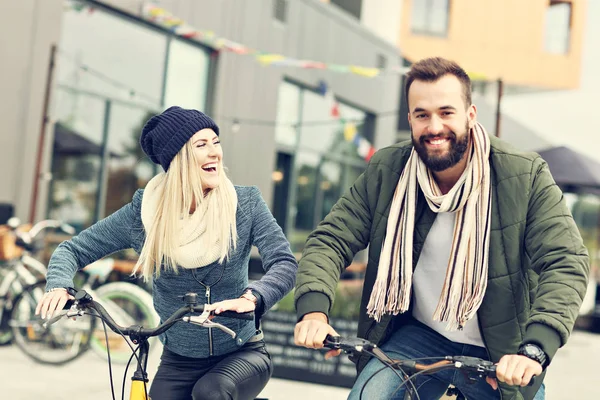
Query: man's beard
(437,163)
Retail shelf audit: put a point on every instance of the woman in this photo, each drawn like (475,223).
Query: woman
(202,228)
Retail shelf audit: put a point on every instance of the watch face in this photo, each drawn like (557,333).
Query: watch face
(533,350)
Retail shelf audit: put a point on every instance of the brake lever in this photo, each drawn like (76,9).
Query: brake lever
(72,312)
(204,321)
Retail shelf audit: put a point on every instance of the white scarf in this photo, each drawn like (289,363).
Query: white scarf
(194,249)
(466,275)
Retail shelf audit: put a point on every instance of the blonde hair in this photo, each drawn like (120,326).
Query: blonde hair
(181,191)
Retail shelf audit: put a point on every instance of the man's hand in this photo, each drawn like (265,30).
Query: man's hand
(515,370)
(311,333)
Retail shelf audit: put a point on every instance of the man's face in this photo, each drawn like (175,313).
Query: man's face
(440,121)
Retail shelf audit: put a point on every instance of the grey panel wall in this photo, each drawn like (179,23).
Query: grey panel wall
(248,90)
(27,30)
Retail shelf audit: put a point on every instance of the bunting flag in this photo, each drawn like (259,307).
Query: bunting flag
(363,147)
(165,19)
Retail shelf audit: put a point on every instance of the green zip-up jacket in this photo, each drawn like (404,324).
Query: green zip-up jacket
(538,266)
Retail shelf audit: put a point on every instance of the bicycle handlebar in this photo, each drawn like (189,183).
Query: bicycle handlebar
(84,301)
(474,365)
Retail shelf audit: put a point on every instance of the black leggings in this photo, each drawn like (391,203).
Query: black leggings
(240,375)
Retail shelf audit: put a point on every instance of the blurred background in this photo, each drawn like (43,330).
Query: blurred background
(304,92)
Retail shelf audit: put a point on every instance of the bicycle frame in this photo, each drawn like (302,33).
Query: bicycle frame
(139,380)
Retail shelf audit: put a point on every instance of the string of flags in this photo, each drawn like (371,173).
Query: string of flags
(363,147)
(178,26)
(165,19)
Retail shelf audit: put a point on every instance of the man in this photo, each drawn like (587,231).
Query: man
(472,251)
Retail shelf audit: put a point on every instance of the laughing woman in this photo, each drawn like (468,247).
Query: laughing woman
(202,227)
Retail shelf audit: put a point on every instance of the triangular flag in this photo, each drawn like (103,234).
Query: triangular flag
(364,147)
(267,59)
(368,72)
(349,131)
(370,154)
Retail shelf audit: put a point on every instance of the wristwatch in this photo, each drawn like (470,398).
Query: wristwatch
(248,295)
(535,353)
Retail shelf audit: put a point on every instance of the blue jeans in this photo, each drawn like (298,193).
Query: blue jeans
(416,340)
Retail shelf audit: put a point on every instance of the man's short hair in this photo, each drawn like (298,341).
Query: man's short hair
(432,69)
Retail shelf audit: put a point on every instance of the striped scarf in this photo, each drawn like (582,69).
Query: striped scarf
(466,274)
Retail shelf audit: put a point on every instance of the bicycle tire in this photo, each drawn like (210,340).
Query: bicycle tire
(62,342)
(137,304)
(6,335)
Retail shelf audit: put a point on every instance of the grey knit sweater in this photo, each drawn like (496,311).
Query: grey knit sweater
(255,226)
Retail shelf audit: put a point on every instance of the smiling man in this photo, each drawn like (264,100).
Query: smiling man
(472,251)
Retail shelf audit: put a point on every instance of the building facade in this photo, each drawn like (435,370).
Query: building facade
(114,66)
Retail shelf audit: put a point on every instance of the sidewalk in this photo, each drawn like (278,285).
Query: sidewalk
(573,375)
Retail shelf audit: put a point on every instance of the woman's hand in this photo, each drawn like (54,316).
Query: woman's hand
(240,305)
(52,301)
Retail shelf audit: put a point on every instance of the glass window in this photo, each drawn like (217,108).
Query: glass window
(352,7)
(187,75)
(127,165)
(318,130)
(430,17)
(320,164)
(558,27)
(288,114)
(111,55)
(280,10)
(77,157)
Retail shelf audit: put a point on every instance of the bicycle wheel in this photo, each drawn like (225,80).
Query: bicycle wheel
(128,304)
(60,343)
(6,335)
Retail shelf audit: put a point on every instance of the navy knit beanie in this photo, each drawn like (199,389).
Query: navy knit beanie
(165,134)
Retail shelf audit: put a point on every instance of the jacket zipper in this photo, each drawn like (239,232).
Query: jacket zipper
(210,341)
(487,351)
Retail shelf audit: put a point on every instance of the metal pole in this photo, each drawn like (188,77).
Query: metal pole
(42,135)
(163,89)
(103,173)
(498,106)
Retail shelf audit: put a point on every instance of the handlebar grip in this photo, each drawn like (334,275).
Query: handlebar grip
(249,316)
(332,342)
(52,320)
(492,374)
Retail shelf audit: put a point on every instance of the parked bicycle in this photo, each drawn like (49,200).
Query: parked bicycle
(408,370)
(18,268)
(84,304)
(25,285)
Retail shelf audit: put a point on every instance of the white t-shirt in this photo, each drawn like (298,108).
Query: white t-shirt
(428,281)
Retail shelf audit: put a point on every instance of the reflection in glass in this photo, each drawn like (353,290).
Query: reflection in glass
(288,114)
(77,152)
(187,75)
(112,47)
(324,163)
(128,166)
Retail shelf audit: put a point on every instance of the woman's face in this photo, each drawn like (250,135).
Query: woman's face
(208,152)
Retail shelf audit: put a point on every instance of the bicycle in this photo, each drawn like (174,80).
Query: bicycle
(127,302)
(84,304)
(407,370)
(18,269)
